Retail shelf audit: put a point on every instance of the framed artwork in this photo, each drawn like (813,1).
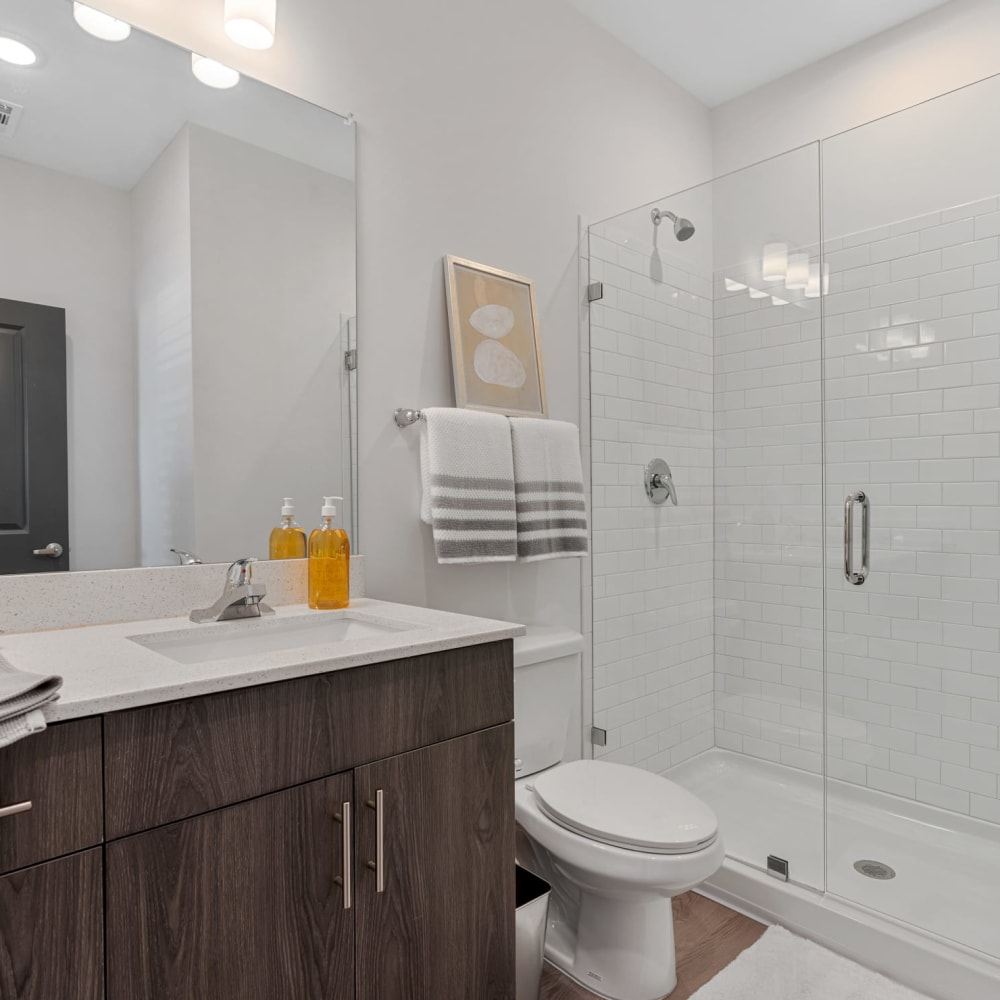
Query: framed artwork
(495,349)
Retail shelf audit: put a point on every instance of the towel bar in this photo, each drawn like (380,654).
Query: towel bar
(406,418)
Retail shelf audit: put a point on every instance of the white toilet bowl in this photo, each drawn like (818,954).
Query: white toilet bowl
(616,843)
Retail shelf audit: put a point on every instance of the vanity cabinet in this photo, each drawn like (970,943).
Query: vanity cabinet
(340,836)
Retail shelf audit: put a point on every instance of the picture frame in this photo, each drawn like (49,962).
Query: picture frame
(496,350)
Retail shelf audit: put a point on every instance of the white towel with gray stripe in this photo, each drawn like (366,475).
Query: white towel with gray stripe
(467,471)
(22,696)
(548,482)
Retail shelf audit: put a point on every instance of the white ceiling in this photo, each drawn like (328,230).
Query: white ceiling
(106,110)
(719,49)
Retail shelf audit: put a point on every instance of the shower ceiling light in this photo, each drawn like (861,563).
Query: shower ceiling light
(250,23)
(797,275)
(101,25)
(775,261)
(16,53)
(734,286)
(212,73)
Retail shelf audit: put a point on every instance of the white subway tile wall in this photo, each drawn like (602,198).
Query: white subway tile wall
(651,393)
(913,419)
(768,527)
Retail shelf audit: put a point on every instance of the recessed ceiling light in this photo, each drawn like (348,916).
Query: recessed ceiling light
(250,23)
(212,73)
(16,53)
(101,25)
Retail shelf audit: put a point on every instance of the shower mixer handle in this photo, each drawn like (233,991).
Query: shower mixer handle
(659,482)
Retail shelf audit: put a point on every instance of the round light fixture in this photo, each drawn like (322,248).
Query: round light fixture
(212,73)
(775,261)
(250,23)
(16,53)
(99,24)
(797,275)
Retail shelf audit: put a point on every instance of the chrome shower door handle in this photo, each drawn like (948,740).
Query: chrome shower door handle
(857,498)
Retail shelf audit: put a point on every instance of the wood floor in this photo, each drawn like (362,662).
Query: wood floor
(708,935)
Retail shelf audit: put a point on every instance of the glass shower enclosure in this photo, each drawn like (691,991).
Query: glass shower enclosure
(809,639)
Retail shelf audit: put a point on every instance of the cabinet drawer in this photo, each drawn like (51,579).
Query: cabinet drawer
(167,762)
(59,772)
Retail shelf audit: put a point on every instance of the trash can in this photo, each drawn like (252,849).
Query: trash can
(532,902)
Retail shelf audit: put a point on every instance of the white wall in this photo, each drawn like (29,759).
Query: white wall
(950,47)
(66,242)
(161,220)
(272,273)
(484,130)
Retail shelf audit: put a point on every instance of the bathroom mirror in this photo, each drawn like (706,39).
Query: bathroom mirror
(177,300)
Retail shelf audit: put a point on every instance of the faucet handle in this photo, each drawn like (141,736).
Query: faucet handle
(241,571)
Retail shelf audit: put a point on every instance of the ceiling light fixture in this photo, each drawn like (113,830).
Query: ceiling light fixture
(212,73)
(797,275)
(775,261)
(250,23)
(16,53)
(101,25)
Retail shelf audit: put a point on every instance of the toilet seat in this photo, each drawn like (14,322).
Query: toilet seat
(625,807)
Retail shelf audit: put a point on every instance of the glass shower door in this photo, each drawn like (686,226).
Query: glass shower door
(912,428)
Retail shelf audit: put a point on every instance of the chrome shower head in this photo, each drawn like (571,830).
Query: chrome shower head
(683,228)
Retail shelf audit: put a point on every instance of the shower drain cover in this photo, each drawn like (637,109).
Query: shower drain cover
(874,869)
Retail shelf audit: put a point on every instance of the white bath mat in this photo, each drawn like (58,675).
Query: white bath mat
(781,966)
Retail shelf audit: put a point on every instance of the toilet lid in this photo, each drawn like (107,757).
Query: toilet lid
(625,807)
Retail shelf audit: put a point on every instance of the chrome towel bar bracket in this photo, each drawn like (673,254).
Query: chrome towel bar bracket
(406,418)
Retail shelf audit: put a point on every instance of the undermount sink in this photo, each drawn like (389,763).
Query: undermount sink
(224,640)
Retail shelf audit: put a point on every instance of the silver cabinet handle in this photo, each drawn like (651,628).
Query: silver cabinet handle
(378,865)
(854,498)
(17,807)
(51,551)
(344,819)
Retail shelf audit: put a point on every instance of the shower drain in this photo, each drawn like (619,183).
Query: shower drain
(874,869)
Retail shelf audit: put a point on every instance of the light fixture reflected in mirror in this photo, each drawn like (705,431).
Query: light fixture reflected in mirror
(16,53)
(101,25)
(775,261)
(251,23)
(212,73)
(797,275)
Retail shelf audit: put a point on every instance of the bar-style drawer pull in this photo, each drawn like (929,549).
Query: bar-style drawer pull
(378,865)
(344,818)
(17,807)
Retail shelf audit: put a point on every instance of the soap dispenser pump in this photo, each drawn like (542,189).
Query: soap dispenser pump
(288,539)
(329,562)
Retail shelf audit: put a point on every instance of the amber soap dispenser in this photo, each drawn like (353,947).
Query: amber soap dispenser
(329,562)
(288,539)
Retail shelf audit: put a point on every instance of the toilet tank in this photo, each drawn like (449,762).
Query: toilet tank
(546,678)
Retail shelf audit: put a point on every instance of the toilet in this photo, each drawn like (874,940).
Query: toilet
(615,842)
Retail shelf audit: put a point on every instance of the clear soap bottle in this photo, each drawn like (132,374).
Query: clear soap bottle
(329,562)
(288,539)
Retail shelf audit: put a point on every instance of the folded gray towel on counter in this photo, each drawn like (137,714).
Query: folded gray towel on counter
(548,482)
(22,697)
(467,471)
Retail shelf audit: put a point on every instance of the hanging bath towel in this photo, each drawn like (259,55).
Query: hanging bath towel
(467,470)
(548,481)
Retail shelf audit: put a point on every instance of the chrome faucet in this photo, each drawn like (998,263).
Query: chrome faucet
(241,597)
(186,558)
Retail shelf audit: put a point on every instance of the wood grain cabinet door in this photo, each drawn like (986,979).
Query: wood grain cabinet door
(442,928)
(52,930)
(244,903)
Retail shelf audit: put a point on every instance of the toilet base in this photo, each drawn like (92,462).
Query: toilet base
(621,949)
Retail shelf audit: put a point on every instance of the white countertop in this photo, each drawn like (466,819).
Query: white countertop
(104,671)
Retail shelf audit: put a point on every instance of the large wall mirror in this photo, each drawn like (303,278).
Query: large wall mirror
(177,303)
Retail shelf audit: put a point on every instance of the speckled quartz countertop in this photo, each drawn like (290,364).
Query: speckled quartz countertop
(105,669)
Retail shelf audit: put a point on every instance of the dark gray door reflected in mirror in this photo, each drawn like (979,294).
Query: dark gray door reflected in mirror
(34,507)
